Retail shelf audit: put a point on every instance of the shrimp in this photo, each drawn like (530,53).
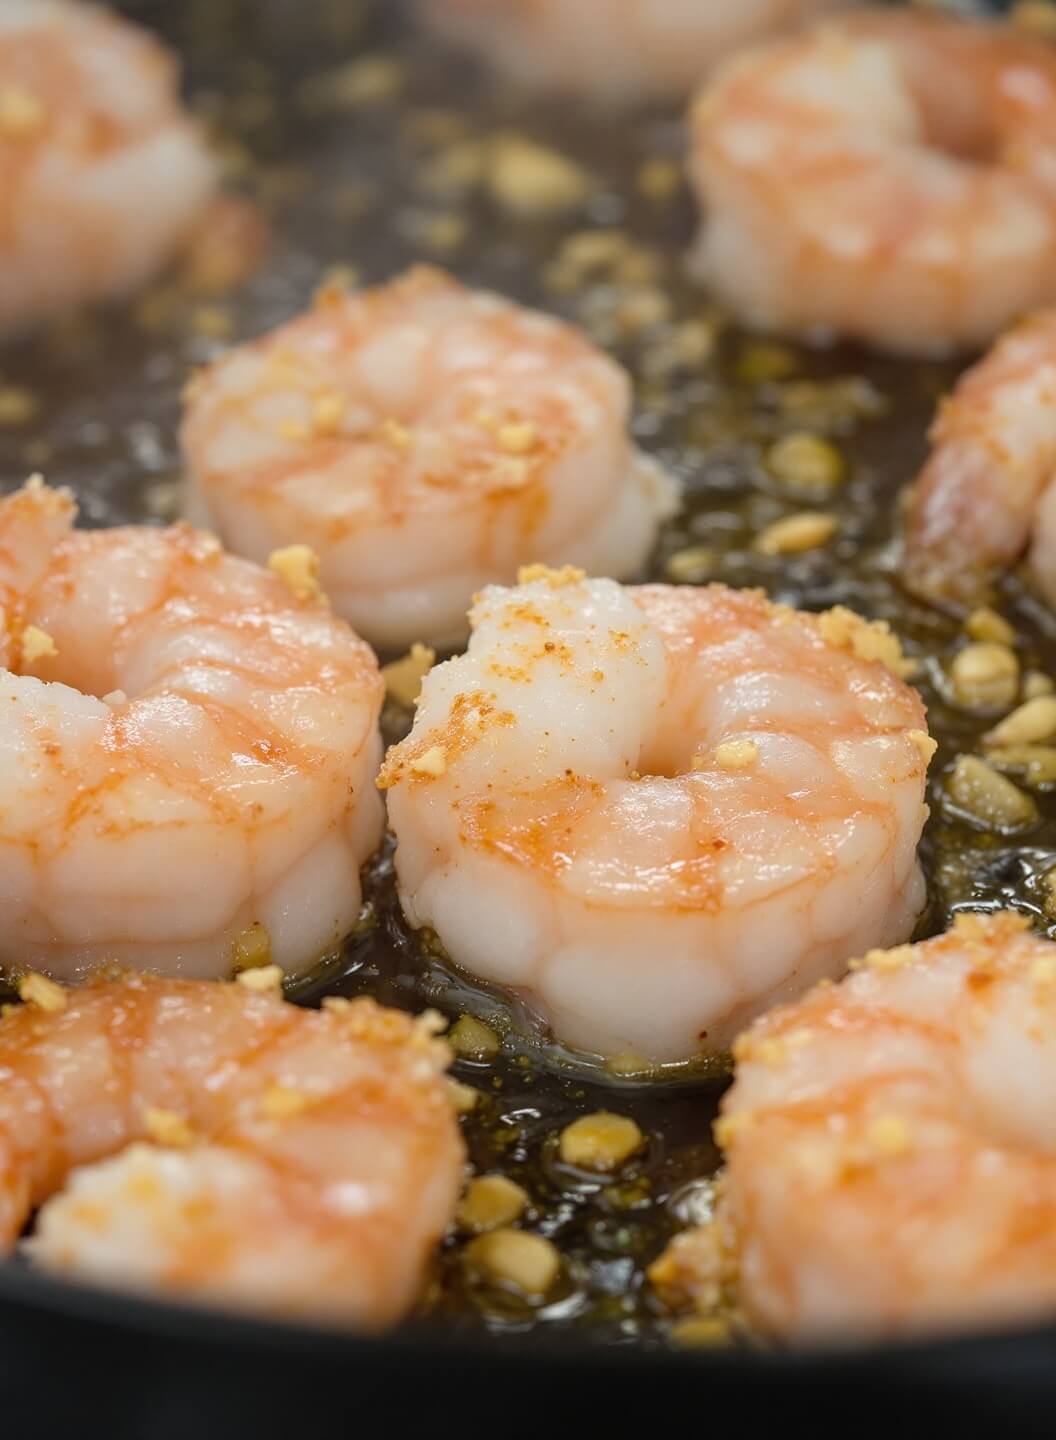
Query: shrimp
(654,811)
(302,1162)
(986,492)
(889,177)
(102,173)
(890,1148)
(618,51)
(189,752)
(424,440)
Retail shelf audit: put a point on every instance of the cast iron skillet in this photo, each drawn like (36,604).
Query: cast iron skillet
(73,1357)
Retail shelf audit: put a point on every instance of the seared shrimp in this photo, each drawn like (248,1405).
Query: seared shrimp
(315,1157)
(102,173)
(986,491)
(890,1147)
(890,177)
(424,440)
(655,811)
(615,50)
(189,751)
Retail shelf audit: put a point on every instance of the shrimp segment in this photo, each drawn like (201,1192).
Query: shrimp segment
(889,177)
(653,811)
(225,776)
(424,440)
(318,1157)
(102,173)
(986,492)
(891,1152)
(615,50)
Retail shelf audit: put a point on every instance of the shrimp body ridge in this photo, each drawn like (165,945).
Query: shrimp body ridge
(102,172)
(424,439)
(885,176)
(218,1143)
(652,811)
(890,1149)
(188,751)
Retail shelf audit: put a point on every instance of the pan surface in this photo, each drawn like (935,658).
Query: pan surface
(347,130)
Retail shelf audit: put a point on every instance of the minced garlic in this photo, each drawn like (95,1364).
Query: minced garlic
(987,625)
(473,1040)
(602,1141)
(37,645)
(518,439)
(328,411)
(556,579)
(298,566)
(530,179)
(261,979)
(403,678)
(924,743)
(889,1135)
(736,754)
(868,639)
(18,406)
(431,764)
(36,989)
(464,1098)
(282,1102)
(21,113)
(985,674)
(491,1201)
(395,433)
(981,792)
(1031,722)
(526,1263)
(165,1127)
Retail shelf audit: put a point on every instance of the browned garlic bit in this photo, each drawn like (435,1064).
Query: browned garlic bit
(514,1259)
(298,566)
(601,1141)
(403,678)
(45,994)
(978,790)
(985,674)
(491,1202)
(806,464)
(531,180)
(471,1039)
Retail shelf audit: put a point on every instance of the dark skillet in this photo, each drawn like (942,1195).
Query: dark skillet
(346,185)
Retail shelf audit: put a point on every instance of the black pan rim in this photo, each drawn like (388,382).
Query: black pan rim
(984,1355)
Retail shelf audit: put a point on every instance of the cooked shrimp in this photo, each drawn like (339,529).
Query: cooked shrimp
(189,751)
(889,177)
(891,1153)
(316,1157)
(654,811)
(102,173)
(424,440)
(615,50)
(986,492)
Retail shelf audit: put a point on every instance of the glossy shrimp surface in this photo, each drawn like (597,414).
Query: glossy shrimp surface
(888,177)
(189,750)
(653,811)
(615,50)
(313,1158)
(102,172)
(986,494)
(425,440)
(891,1153)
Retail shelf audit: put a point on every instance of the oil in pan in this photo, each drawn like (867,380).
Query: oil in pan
(368,150)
